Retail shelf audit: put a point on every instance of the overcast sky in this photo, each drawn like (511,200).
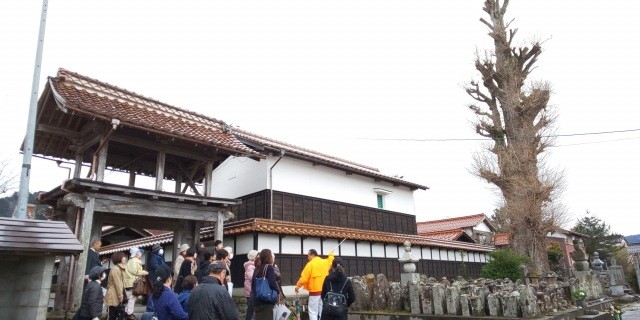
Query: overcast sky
(340,77)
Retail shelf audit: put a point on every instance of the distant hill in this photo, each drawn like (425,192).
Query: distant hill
(635,239)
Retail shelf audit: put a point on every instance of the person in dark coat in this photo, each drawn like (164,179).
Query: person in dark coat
(209,300)
(93,258)
(264,268)
(92,296)
(186,269)
(155,260)
(336,280)
(165,301)
(209,255)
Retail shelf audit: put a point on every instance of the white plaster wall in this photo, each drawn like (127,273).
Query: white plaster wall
(301,177)
(269,241)
(244,244)
(377,250)
(435,254)
(482,227)
(239,176)
(364,249)
(292,245)
(348,248)
(392,251)
(328,245)
(311,243)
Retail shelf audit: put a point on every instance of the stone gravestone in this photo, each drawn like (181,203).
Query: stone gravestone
(579,256)
(438,299)
(495,308)
(616,278)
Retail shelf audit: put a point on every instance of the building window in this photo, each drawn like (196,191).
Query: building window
(380,193)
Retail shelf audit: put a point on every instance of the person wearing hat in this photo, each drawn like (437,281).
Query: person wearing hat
(133,270)
(337,281)
(155,260)
(210,300)
(92,296)
(165,301)
(186,269)
(178,262)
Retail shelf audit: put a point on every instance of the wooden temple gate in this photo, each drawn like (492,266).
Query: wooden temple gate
(111,130)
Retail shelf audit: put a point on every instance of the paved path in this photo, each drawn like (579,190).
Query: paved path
(631,312)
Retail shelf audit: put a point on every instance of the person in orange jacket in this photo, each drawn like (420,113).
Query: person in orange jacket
(312,278)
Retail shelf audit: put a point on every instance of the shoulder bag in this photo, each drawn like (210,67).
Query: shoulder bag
(263,291)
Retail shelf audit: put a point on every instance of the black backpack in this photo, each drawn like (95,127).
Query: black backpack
(335,303)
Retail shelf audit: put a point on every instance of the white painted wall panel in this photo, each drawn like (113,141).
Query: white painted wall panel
(348,248)
(364,249)
(269,241)
(377,250)
(311,243)
(292,245)
(239,176)
(435,254)
(426,253)
(244,244)
(482,227)
(392,251)
(328,245)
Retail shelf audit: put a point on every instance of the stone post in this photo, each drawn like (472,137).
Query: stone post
(438,299)
(408,263)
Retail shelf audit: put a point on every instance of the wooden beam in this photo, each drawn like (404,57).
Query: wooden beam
(140,222)
(77,169)
(132,177)
(181,205)
(157,146)
(70,134)
(148,209)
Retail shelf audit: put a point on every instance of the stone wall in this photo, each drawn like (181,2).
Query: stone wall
(25,285)
(476,298)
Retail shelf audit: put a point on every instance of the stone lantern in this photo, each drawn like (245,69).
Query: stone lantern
(408,262)
(596,263)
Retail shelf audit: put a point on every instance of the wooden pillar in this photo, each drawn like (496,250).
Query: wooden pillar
(84,237)
(96,228)
(77,169)
(178,176)
(220,226)
(102,161)
(132,177)
(160,170)
(186,231)
(208,177)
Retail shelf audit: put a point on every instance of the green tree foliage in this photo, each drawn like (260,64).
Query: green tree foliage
(599,234)
(505,263)
(555,254)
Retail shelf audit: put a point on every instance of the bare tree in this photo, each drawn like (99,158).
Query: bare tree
(8,179)
(515,116)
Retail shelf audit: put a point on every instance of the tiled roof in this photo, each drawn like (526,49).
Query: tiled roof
(501,239)
(37,237)
(450,235)
(98,99)
(305,230)
(451,223)
(328,160)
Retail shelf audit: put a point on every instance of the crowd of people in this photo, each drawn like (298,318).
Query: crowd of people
(199,285)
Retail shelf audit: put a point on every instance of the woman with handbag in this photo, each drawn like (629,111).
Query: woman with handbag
(264,286)
(132,272)
(115,284)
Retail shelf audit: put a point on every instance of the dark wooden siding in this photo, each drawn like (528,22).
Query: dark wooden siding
(291,266)
(297,208)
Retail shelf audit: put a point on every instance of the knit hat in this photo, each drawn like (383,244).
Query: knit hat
(216,265)
(183,247)
(155,248)
(135,251)
(95,272)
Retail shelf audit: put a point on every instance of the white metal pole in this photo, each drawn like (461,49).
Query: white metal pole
(23,192)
